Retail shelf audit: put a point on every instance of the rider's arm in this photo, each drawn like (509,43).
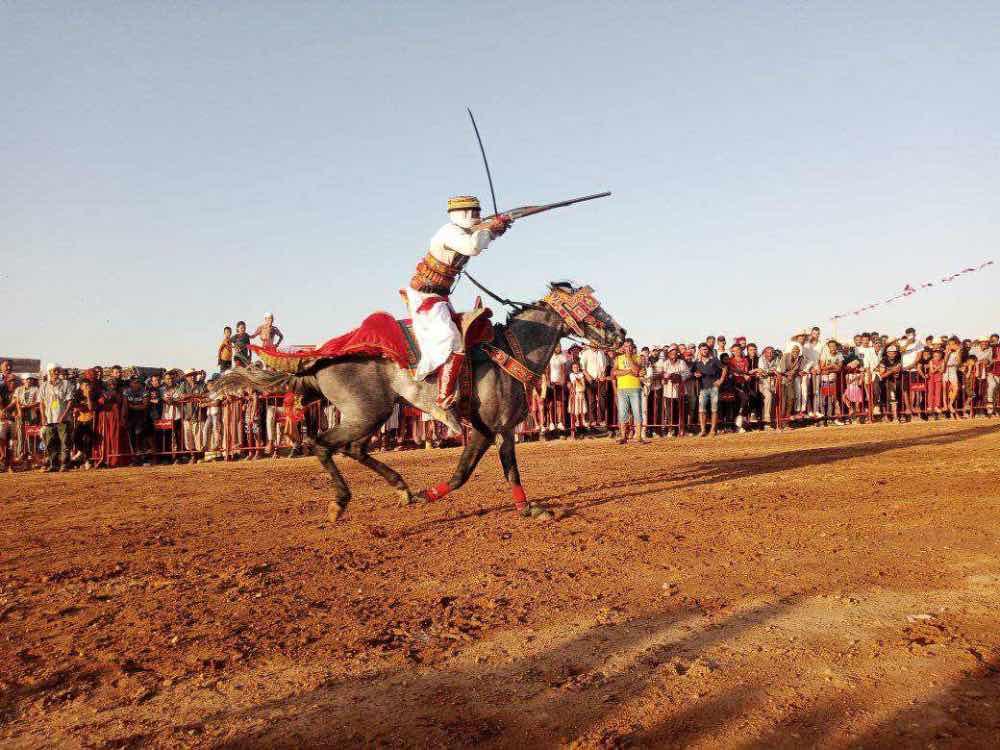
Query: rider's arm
(458,240)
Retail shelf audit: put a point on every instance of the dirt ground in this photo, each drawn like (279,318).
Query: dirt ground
(832,588)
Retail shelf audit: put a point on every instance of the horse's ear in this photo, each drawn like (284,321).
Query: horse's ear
(562,286)
(478,303)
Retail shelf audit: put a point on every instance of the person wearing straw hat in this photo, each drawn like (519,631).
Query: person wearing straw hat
(441,344)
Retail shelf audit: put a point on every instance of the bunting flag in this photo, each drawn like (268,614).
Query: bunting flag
(909,290)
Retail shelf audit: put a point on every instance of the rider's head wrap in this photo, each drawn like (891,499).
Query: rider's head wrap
(463,203)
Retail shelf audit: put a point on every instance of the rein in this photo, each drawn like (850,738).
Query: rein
(506,302)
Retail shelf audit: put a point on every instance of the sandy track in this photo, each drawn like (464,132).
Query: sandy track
(831,588)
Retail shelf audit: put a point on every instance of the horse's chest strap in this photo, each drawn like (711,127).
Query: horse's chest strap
(514,366)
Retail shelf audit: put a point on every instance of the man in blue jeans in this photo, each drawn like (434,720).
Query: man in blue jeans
(626,373)
(710,372)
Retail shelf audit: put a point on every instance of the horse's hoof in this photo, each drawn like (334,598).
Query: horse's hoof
(539,512)
(336,511)
(406,497)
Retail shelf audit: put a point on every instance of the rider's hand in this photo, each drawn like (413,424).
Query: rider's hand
(499,224)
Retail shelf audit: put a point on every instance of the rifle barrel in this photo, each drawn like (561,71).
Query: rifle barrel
(522,211)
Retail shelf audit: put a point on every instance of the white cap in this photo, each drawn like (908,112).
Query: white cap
(53,366)
(269,315)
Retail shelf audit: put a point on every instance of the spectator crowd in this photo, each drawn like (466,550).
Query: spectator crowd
(66,418)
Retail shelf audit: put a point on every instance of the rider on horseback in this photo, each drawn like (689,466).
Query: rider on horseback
(441,344)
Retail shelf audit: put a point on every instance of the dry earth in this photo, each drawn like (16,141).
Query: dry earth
(832,588)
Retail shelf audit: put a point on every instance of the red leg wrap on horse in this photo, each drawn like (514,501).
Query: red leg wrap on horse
(438,491)
(520,499)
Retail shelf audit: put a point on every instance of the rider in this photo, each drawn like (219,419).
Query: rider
(440,341)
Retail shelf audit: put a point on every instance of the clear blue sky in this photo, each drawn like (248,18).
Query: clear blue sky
(168,168)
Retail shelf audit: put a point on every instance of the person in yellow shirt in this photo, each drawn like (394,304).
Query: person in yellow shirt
(626,373)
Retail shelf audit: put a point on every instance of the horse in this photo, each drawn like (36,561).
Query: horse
(366,388)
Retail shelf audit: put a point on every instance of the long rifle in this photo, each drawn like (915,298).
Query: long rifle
(521,212)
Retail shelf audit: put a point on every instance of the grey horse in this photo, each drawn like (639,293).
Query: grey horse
(365,389)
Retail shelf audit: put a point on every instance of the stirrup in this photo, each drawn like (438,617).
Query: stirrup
(448,379)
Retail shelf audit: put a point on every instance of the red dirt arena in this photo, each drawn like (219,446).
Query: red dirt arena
(833,588)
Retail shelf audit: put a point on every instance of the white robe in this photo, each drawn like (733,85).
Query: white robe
(436,333)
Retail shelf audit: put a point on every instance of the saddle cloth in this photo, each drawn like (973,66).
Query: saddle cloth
(380,335)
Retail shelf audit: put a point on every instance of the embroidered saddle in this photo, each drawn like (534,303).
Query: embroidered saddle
(379,335)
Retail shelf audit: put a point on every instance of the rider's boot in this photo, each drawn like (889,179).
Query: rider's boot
(448,390)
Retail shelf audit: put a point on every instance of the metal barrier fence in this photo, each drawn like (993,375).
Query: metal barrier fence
(253,426)
(781,400)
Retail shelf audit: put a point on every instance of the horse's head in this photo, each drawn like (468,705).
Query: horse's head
(583,315)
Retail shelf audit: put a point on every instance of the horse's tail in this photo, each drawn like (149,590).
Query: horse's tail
(239,379)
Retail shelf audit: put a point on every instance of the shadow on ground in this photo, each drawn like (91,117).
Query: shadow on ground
(541,699)
(717,471)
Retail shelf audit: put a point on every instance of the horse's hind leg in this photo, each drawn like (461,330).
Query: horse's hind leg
(358,450)
(336,439)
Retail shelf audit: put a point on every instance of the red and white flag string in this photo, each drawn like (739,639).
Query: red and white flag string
(910,290)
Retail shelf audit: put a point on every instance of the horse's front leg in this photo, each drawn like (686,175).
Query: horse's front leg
(508,459)
(479,442)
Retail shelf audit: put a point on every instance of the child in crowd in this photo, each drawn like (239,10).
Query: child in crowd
(830,363)
(935,383)
(890,374)
(251,423)
(854,395)
(85,407)
(918,383)
(577,399)
(952,364)
(970,371)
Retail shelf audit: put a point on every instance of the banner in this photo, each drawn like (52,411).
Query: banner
(910,290)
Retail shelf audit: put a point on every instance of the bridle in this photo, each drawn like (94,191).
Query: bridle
(574,308)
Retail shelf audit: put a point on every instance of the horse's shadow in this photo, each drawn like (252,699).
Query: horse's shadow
(717,471)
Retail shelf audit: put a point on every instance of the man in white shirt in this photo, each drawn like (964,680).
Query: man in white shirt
(674,372)
(909,348)
(871,358)
(595,364)
(556,397)
(812,351)
(55,396)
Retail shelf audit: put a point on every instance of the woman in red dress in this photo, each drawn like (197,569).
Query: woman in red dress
(107,448)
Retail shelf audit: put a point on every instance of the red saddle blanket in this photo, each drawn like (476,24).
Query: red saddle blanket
(380,335)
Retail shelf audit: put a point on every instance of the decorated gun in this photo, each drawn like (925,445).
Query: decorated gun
(523,211)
